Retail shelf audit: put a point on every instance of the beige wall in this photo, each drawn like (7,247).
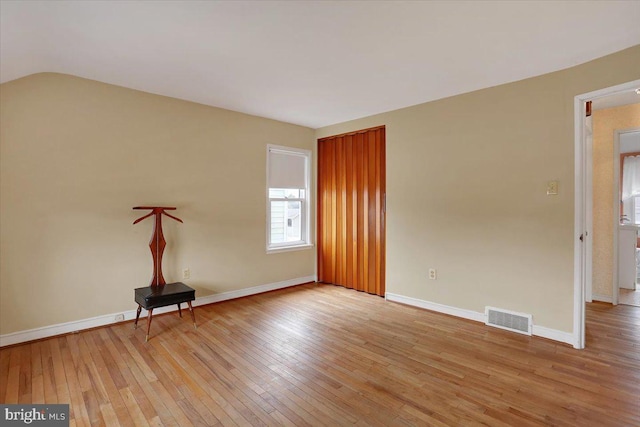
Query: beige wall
(466,192)
(605,122)
(76,156)
(466,179)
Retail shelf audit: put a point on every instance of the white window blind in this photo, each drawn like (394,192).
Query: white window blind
(630,177)
(287,169)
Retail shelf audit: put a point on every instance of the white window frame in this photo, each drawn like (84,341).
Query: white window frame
(631,205)
(305,214)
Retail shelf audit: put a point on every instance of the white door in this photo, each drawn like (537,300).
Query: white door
(627,238)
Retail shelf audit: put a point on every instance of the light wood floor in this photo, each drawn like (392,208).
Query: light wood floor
(324,355)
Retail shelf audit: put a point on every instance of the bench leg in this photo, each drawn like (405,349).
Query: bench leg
(179,310)
(149,318)
(135,325)
(193,316)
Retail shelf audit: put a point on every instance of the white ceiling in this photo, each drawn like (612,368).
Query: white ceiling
(307,62)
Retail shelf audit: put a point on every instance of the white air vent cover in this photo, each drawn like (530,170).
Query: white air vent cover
(509,320)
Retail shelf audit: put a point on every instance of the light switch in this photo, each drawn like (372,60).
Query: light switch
(552,188)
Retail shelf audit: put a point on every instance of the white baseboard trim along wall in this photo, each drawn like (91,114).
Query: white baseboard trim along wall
(540,331)
(601,298)
(107,319)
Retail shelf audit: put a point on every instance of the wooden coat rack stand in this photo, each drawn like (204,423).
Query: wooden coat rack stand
(160,293)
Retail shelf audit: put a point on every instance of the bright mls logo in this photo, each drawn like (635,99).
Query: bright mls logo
(35,415)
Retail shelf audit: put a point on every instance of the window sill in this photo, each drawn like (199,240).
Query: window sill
(289,248)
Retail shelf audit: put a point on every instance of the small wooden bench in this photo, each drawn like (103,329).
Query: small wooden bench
(155,296)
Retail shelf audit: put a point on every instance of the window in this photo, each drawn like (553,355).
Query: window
(288,178)
(630,188)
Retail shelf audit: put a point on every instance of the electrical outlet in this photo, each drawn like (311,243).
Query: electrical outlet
(186,273)
(433,274)
(119,318)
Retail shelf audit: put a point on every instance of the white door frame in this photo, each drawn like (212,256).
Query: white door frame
(583,207)
(588,243)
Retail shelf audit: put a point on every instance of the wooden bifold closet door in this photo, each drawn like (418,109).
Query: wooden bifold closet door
(351,210)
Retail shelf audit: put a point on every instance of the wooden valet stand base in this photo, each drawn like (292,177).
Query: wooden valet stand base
(151,297)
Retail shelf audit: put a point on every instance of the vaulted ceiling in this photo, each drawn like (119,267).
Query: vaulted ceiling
(312,63)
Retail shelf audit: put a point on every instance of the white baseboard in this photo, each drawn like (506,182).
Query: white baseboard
(224,296)
(554,334)
(540,331)
(602,298)
(107,319)
(440,308)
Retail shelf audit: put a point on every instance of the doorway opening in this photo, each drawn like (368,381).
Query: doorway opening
(627,179)
(583,218)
